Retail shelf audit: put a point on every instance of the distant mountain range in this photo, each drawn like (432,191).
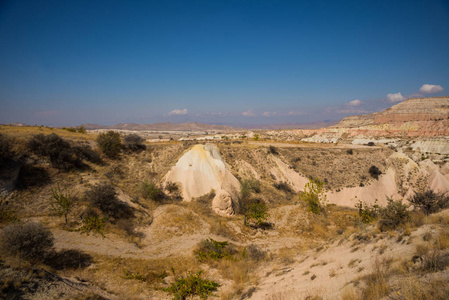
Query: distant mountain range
(163,126)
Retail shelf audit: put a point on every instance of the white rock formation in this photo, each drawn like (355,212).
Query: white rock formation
(202,169)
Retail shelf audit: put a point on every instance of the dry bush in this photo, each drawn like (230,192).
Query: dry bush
(133,142)
(151,191)
(430,202)
(104,197)
(29,241)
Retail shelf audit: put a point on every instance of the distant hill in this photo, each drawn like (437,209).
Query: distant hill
(163,126)
(411,110)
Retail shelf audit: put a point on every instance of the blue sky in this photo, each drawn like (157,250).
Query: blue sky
(64,63)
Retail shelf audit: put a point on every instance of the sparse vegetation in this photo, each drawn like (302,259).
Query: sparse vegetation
(28,241)
(110,143)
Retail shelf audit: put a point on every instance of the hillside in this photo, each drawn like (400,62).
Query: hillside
(294,214)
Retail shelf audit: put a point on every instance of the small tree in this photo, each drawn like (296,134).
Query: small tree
(61,202)
(368,213)
(256,137)
(314,195)
(110,143)
(29,241)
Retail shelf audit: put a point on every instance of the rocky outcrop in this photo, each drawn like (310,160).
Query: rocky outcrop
(201,170)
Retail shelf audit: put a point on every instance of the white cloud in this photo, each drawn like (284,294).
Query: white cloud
(248,113)
(397,97)
(178,112)
(296,113)
(355,102)
(269,113)
(431,88)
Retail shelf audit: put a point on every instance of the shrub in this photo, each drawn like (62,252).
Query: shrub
(367,213)
(104,197)
(256,137)
(133,142)
(314,196)
(110,143)
(429,202)
(350,151)
(370,144)
(190,286)
(29,241)
(6,215)
(61,202)
(393,215)
(255,210)
(5,148)
(151,191)
(56,149)
(212,249)
(374,172)
(273,150)
(93,222)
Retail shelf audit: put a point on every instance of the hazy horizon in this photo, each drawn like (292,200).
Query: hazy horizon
(235,63)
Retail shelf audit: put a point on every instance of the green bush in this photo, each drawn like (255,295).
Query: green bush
(110,143)
(93,222)
(430,202)
(151,191)
(255,210)
(29,241)
(314,196)
(104,197)
(249,186)
(367,213)
(393,215)
(133,142)
(191,285)
(212,249)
